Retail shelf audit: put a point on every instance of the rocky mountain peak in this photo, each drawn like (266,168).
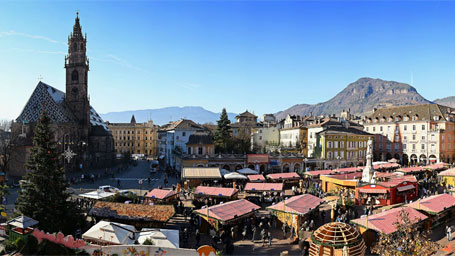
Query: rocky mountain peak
(362,96)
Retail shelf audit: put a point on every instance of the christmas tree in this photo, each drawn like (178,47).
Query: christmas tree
(222,134)
(43,194)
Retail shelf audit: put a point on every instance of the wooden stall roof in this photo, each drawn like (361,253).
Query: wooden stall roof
(449,172)
(160,193)
(257,177)
(415,169)
(386,166)
(437,167)
(300,205)
(201,173)
(263,186)
(134,212)
(397,181)
(320,172)
(384,222)
(215,191)
(434,204)
(230,210)
(284,176)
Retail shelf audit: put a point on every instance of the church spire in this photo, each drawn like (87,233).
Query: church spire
(77,67)
(77,29)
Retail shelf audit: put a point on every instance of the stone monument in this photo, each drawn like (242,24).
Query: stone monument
(368,171)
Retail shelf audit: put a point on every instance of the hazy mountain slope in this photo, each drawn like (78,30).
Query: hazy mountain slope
(447,101)
(164,115)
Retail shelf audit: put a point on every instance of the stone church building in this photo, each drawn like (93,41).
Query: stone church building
(82,137)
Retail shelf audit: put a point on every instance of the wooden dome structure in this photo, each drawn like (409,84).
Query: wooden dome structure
(337,239)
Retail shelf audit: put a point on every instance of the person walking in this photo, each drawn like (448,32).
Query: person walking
(284,230)
(264,237)
(254,233)
(449,233)
(269,235)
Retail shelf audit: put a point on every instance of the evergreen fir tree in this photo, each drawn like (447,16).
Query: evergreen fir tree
(43,194)
(222,133)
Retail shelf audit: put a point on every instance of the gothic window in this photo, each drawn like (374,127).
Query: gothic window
(75,76)
(74,47)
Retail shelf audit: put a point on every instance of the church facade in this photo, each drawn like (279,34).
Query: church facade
(82,137)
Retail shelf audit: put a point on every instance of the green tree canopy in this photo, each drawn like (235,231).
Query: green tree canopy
(222,136)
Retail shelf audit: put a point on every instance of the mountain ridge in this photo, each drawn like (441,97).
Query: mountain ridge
(360,97)
(447,101)
(164,115)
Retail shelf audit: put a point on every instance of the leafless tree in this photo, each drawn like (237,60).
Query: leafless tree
(407,240)
(5,124)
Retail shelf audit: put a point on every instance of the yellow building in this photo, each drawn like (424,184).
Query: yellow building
(342,146)
(447,177)
(135,138)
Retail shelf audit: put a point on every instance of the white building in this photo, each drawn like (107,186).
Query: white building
(413,134)
(173,138)
(291,137)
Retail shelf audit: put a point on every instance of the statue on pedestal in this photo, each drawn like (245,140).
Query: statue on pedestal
(368,171)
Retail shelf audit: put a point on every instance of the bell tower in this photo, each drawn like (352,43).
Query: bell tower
(77,67)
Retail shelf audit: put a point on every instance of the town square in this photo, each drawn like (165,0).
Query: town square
(198,143)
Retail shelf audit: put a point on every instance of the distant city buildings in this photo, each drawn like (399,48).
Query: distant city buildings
(135,138)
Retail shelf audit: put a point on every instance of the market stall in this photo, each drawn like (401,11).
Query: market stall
(287,178)
(194,176)
(161,196)
(417,171)
(439,208)
(139,215)
(296,210)
(20,227)
(373,225)
(256,178)
(213,195)
(447,177)
(437,167)
(256,189)
(332,183)
(393,191)
(227,214)
(314,175)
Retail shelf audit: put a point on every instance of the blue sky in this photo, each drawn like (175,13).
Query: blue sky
(264,56)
